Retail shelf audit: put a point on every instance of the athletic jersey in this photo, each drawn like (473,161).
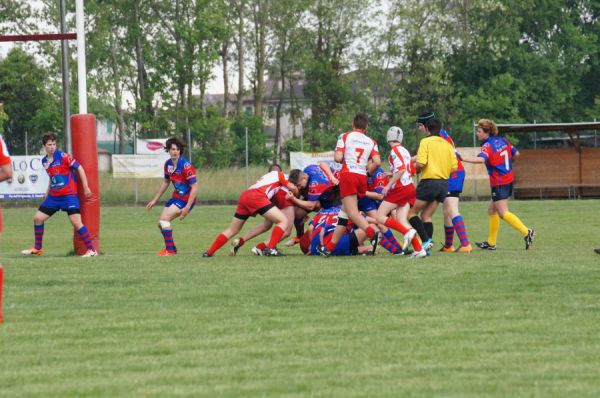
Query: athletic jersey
(498,155)
(182,175)
(328,217)
(447,137)
(357,149)
(377,181)
(437,158)
(270,183)
(4,155)
(319,186)
(400,162)
(61,169)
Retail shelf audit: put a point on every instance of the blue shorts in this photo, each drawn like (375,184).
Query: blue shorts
(455,184)
(179,203)
(346,246)
(367,204)
(67,203)
(500,192)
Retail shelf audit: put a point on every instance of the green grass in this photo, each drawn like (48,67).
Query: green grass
(508,323)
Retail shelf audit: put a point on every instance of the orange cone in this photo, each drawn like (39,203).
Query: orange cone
(1,283)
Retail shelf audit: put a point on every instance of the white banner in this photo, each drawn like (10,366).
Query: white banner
(139,166)
(30,180)
(151,146)
(299,160)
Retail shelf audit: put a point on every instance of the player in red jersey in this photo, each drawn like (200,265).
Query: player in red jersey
(6,171)
(497,154)
(353,150)
(257,200)
(61,195)
(179,171)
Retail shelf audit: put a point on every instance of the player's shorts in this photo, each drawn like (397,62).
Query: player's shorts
(179,203)
(455,184)
(402,195)
(367,204)
(501,192)
(251,203)
(66,203)
(430,190)
(353,184)
(346,246)
(280,201)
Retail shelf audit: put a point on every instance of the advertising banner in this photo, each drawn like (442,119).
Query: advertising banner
(299,160)
(151,146)
(30,180)
(139,166)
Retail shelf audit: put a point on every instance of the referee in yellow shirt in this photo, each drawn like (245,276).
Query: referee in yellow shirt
(436,160)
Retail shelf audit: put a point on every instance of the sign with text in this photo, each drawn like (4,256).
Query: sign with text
(29,181)
(299,160)
(139,166)
(150,146)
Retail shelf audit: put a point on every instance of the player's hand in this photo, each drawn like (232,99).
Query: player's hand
(184,212)
(87,192)
(150,204)
(293,189)
(385,190)
(289,196)
(335,181)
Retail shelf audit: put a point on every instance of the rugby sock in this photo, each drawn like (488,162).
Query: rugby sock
(330,245)
(449,230)
(389,242)
(168,236)
(84,234)
(418,225)
(416,243)
(394,224)
(299,225)
(38,233)
(275,236)
(242,241)
(494,224)
(217,244)
(261,246)
(370,231)
(461,230)
(428,228)
(515,222)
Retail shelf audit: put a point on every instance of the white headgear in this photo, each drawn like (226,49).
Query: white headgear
(395,134)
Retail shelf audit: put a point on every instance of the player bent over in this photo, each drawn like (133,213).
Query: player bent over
(257,200)
(61,195)
(182,174)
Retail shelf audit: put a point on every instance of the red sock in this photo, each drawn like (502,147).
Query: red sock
(275,237)
(242,241)
(394,224)
(261,246)
(217,244)
(417,243)
(330,245)
(370,231)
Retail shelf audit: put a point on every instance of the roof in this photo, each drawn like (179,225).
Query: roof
(564,127)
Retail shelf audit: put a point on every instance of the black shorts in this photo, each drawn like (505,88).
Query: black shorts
(453,194)
(501,192)
(50,211)
(353,244)
(432,190)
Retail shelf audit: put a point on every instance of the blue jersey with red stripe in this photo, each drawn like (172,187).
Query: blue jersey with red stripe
(498,155)
(182,176)
(61,169)
(377,181)
(319,185)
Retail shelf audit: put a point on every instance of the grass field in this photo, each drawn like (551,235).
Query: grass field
(508,323)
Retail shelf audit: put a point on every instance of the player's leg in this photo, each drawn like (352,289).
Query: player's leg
(169,213)
(514,221)
(237,222)
(427,217)
(448,225)
(41,215)
(415,221)
(82,231)
(280,221)
(451,204)
(383,217)
(254,232)
(493,228)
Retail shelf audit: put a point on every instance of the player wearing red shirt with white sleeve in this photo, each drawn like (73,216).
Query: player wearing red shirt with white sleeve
(354,149)
(257,200)
(6,171)
(497,154)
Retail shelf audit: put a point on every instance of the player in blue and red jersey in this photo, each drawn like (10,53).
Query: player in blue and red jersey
(61,195)
(321,230)
(497,153)
(6,171)
(179,171)
(453,220)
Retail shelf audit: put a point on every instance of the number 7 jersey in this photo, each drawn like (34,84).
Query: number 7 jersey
(357,149)
(498,154)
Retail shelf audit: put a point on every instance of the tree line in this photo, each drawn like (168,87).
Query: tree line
(150,63)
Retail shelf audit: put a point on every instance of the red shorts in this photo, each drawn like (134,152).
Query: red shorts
(280,201)
(252,202)
(353,184)
(402,195)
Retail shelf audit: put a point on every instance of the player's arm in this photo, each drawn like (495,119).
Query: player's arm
(374,195)
(338,156)
(472,159)
(163,187)
(395,178)
(86,188)
(308,205)
(327,170)
(6,172)
(374,164)
(191,200)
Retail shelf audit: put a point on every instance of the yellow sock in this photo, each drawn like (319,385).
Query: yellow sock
(515,222)
(494,222)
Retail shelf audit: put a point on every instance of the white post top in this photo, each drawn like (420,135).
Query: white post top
(81,70)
